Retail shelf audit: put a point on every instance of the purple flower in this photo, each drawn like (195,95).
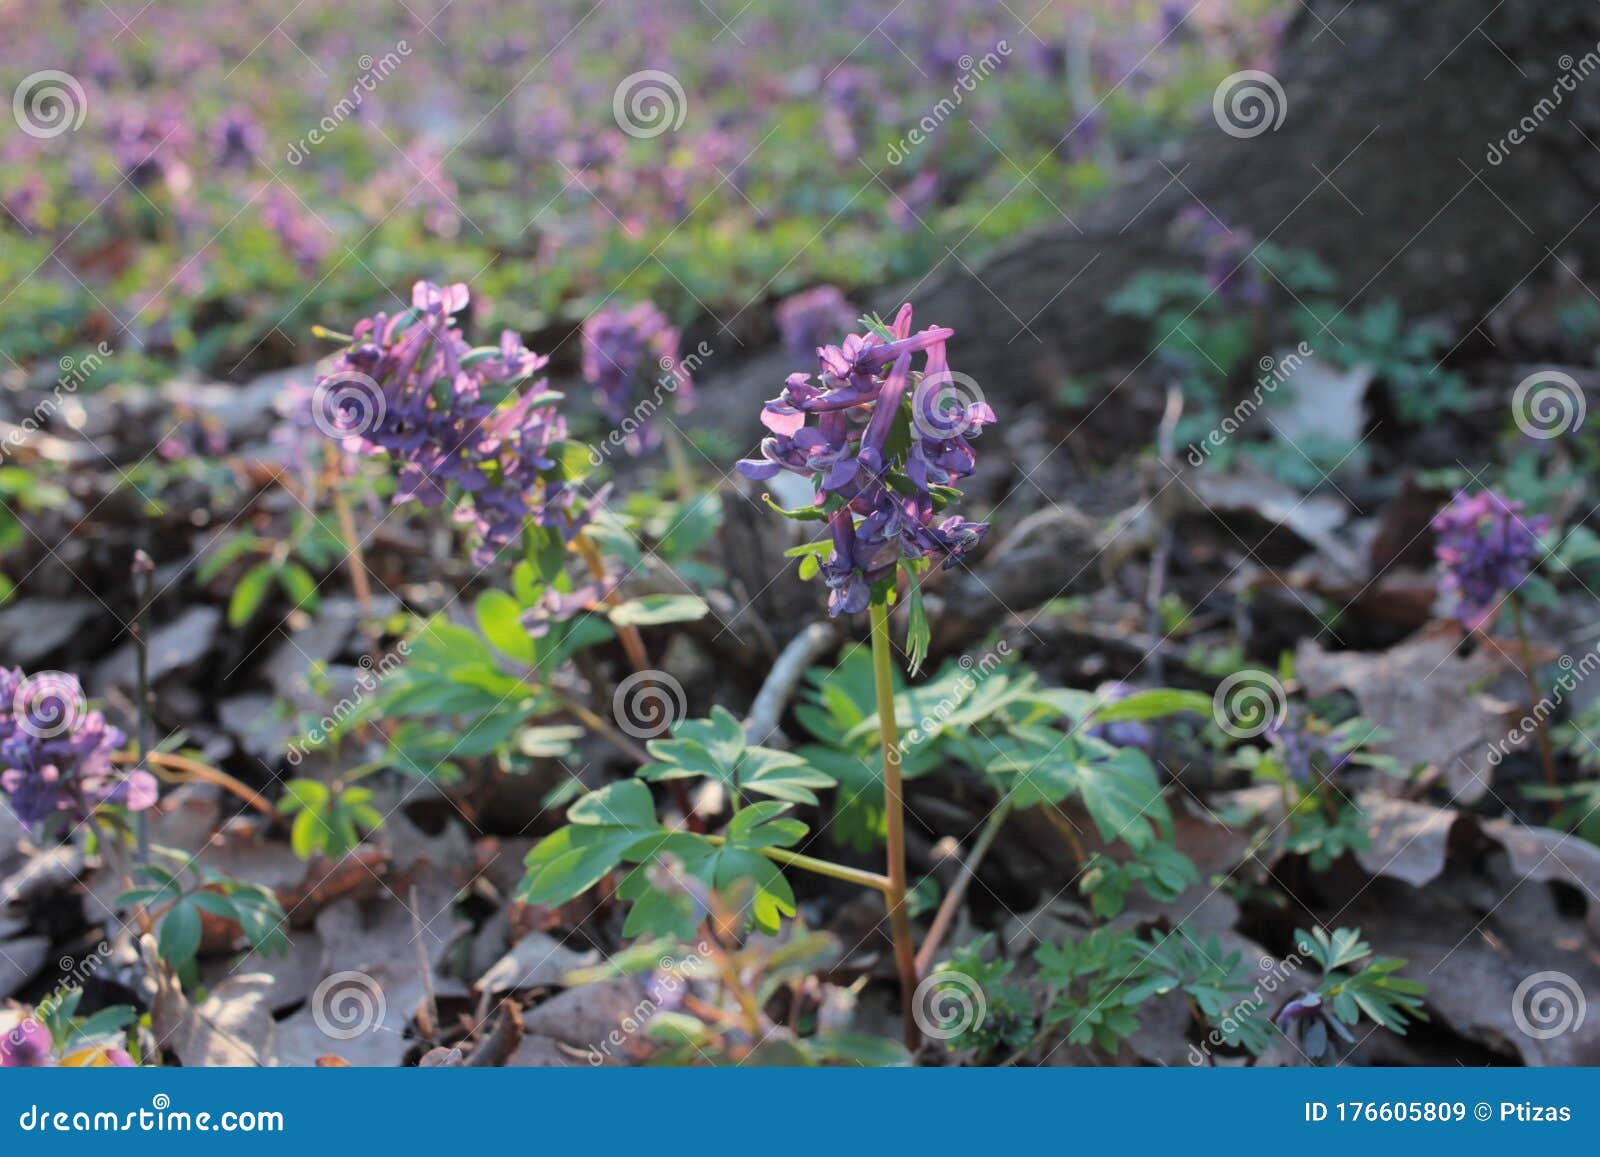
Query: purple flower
(1306,1021)
(55,754)
(808,319)
(236,139)
(1486,549)
(451,417)
(1225,252)
(1307,751)
(26,1045)
(885,438)
(622,348)
(1128,733)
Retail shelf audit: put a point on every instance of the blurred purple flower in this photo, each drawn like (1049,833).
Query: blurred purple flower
(1485,549)
(1122,733)
(1307,751)
(622,349)
(26,1045)
(883,439)
(809,318)
(411,387)
(55,754)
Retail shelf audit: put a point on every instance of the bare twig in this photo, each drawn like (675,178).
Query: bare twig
(773,698)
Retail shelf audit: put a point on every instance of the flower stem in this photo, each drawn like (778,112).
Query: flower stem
(820,867)
(143,569)
(632,641)
(905,954)
(170,766)
(1534,695)
(945,916)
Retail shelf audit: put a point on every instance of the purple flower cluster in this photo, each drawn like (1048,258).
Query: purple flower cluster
(55,754)
(1485,549)
(808,319)
(622,348)
(1305,750)
(885,442)
(411,387)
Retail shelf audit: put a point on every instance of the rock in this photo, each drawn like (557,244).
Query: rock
(33,628)
(173,646)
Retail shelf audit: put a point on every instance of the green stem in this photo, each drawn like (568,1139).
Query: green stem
(905,953)
(1545,754)
(820,867)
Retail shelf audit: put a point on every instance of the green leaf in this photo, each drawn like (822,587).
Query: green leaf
(298,584)
(654,610)
(919,635)
(180,933)
(248,595)
(715,749)
(1152,705)
(500,619)
(605,827)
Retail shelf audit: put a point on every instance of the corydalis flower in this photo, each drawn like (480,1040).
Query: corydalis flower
(1486,549)
(55,754)
(1307,1020)
(885,438)
(1308,751)
(623,348)
(448,415)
